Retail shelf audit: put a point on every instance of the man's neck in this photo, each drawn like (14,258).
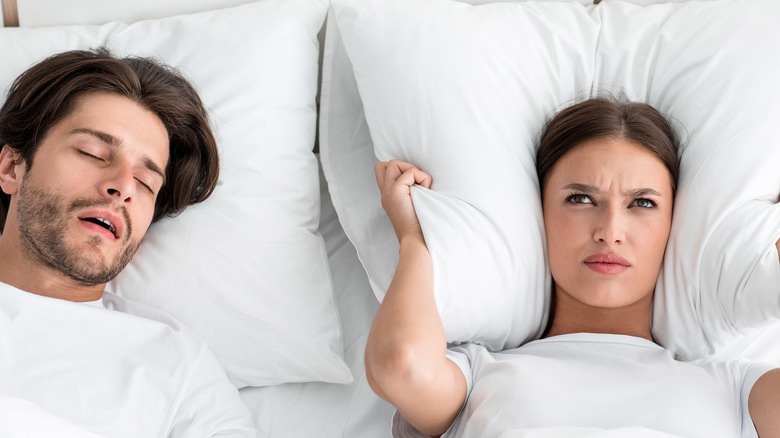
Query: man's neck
(25,274)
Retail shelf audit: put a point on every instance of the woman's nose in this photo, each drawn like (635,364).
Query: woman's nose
(611,227)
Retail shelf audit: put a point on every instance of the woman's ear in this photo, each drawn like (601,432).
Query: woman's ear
(10,176)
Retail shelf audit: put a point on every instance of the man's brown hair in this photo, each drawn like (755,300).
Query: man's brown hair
(45,94)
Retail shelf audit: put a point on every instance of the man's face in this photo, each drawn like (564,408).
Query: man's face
(88,199)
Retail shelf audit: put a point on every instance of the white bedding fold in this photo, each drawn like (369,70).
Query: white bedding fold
(22,419)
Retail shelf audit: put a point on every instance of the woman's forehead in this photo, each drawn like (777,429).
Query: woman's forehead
(611,164)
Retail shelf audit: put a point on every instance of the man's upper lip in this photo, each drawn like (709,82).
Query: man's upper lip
(116,220)
(610,258)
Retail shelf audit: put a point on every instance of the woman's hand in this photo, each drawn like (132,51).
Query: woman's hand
(395,179)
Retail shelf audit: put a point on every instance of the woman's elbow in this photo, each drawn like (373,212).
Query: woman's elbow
(400,368)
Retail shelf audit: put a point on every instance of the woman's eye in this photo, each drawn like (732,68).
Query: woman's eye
(579,199)
(643,203)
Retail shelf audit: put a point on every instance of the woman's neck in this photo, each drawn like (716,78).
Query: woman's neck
(572,316)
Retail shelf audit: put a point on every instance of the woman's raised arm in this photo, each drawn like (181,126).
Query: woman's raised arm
(406,361)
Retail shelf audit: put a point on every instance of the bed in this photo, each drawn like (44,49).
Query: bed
(306,280)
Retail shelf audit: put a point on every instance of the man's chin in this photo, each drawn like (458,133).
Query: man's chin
(91,267)
(92,275)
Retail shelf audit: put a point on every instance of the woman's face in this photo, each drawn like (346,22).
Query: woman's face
(607,213)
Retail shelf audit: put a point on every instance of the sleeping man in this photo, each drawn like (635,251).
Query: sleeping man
(95,149)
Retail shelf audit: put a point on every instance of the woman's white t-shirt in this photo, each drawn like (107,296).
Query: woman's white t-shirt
(603,381)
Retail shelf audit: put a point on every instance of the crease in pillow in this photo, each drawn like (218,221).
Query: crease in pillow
(478,300)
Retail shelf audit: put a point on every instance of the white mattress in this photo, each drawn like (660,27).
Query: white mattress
(323,409)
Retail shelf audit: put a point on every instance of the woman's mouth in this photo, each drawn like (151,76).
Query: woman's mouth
(609,264)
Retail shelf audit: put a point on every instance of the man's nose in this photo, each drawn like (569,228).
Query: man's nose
(119,183)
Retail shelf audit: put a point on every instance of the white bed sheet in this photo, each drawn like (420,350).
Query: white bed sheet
(322,409)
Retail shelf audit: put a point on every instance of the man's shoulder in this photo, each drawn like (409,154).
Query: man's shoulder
(153,319)
(112,301)
(114,316)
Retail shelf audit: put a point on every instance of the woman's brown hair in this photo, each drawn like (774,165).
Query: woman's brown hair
(606,117)
(45,94)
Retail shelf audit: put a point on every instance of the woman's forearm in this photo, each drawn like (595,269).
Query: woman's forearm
(406,362)
(407,333)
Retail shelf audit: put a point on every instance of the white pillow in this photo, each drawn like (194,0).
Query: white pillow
(463,91)
(443,87)
(711,66)
(247,268)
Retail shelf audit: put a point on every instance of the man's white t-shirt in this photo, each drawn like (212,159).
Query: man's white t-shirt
(603,381)
(120,370)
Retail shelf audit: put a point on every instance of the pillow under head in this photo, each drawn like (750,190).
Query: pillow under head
(247,268)
(463,91)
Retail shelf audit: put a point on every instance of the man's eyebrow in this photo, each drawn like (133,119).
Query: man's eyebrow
(589,189)
(151,165)
(116,142)
(100,135)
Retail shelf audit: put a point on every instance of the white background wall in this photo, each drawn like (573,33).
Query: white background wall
(36,13)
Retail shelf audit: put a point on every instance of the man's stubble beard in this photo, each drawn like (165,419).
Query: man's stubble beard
(43,221)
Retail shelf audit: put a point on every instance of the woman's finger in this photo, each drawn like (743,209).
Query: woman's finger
(414,176)
(379,173)
(396,171)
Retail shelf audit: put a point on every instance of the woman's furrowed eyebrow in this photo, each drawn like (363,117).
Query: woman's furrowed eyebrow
(638,193)
(583,188)
(589,189)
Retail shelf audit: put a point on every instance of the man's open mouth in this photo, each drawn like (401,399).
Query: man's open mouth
(105,223)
